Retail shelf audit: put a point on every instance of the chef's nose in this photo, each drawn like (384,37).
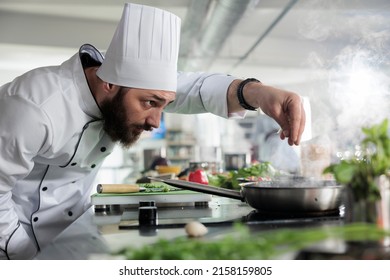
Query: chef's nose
(154,119)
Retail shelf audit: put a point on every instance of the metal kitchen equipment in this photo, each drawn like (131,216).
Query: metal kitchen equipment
(301,195)
(236,161)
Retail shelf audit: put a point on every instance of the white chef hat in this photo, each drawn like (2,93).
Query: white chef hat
(144,50)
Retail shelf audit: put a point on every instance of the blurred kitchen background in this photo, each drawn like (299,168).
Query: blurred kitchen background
(335,53)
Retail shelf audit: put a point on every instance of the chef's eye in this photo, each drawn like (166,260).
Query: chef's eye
(150,103)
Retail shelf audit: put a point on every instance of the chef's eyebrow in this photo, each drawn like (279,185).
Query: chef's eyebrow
(161,99)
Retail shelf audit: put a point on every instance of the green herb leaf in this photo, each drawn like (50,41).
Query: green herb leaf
(241,245)
(360,174)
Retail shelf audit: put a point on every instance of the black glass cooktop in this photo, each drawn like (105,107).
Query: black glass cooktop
(226,215)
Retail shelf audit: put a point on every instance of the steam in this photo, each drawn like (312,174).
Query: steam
(360,90)
(353,56)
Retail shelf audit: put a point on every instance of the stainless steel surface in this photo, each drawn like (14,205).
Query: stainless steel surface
(279,196)
(308,199)
(98,236)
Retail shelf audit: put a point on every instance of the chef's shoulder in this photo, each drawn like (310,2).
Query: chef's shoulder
(25,102)
(24,97)
(35,86)
(23,126)
(42,93)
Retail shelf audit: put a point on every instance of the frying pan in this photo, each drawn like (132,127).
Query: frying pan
(297,196)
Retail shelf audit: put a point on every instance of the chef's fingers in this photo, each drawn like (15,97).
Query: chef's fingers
(302,124)
(297,126)
(297,122)
(293,120)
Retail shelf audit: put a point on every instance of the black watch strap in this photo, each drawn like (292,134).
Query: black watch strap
(240,94)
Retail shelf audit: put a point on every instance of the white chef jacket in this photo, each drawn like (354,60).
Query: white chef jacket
(52,144)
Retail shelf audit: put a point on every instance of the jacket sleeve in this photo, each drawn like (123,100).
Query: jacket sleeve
(199,92)
(22,134)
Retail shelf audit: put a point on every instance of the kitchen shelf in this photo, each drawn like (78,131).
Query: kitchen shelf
(183,143)
(180,147)
(180,158)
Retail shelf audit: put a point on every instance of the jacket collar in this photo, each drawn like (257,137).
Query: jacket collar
(87,100)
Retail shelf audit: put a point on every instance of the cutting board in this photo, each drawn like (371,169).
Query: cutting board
(170,197)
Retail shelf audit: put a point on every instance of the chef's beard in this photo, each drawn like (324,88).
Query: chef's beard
(116,124)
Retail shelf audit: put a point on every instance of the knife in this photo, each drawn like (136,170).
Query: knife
(129,188)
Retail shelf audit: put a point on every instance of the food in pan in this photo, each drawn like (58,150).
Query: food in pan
(263,171)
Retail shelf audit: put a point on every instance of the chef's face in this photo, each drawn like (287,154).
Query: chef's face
(131,111)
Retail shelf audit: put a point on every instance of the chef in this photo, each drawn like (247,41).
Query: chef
(57,124)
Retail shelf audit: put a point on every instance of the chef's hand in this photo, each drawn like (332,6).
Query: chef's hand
(285,107)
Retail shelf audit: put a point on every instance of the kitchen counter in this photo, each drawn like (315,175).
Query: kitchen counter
(97,234)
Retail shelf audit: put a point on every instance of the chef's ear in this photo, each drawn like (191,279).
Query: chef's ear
(110,88)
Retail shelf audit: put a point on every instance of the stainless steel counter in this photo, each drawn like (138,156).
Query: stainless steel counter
(95,235)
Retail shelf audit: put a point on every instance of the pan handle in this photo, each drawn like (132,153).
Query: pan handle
(201,188)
